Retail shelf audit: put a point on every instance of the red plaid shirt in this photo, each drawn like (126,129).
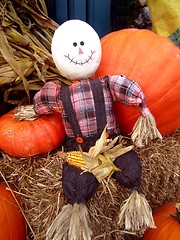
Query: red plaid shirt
(115,88)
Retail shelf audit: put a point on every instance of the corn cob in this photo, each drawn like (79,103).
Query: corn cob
(75,158)
(101,166)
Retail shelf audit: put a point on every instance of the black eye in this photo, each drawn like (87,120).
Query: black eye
(82,43)
(74,44)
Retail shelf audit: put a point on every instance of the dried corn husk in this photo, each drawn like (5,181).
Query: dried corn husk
(99,159)
(73,223)
(9,76)
(25,59)
(136,214)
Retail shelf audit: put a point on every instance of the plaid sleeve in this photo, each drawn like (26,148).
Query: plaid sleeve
(126,91)
(46,100)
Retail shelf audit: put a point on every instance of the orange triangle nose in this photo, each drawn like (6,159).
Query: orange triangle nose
(80,51)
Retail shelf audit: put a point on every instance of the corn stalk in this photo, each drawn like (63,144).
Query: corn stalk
(25,60)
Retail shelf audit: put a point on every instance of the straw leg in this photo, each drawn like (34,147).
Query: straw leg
(135,212)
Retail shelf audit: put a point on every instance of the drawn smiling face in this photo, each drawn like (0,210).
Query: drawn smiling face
(76,50)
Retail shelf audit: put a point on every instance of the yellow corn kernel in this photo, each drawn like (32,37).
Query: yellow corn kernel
(75,158)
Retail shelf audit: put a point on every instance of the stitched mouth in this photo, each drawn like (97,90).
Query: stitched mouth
(80,62)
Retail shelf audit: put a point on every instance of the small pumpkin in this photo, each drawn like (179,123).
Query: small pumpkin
(167,221)
(154,62)
(12,222)
(29,138)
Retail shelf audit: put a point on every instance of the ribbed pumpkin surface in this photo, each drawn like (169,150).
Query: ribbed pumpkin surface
(12,222)
(154,62)
(29,138)
(168,228)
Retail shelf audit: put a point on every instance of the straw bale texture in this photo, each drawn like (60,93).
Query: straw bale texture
(38,183)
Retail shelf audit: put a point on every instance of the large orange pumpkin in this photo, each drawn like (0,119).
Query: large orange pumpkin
(167,221)
(28,138)
(154,62)
(12,222)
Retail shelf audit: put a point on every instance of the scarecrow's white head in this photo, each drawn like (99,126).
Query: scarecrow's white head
(76,50)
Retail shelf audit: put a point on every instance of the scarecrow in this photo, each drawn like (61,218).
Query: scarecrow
(93,150)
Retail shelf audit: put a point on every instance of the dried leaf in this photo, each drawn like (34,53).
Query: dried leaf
(91,162)
(26,33)
(7,53)
(118,150)
(105,168)
(16,37)
(9,76)
(95,150)
(43,5)
(42,19)
(109,144)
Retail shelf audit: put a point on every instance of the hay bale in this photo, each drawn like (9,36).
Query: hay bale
(38,180)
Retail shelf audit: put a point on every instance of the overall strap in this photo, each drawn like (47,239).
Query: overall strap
(99,103)
(69,110)
(99,107)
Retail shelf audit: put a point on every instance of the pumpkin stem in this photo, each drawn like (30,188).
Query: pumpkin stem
(177,216)
(25,113)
